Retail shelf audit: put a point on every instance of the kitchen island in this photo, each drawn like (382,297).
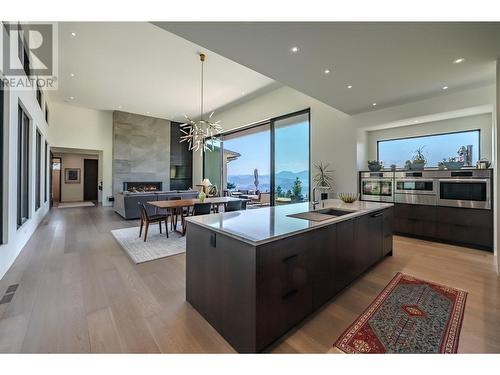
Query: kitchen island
(255,274)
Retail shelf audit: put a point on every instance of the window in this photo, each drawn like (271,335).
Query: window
(23,167)
(1,161)
(435,148)
(46,170)
(39,95)
(267,163)
(22,51)
(38,170)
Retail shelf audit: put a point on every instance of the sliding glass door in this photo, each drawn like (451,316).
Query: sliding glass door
(291,159)
(212,164)
(266,163)
(247,160)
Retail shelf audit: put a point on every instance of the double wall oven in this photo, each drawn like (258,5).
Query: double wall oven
(377,186)
(449,188)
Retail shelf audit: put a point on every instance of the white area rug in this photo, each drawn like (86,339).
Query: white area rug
(157,245)
(75,204)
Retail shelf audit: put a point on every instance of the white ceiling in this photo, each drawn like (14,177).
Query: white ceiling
(386,63)
(140,68)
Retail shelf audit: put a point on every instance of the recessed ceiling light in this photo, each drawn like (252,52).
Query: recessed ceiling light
(119,107)
(445,87)
(72,74)
(71,98)
(459,60)
(349,86)
(327,71)
(416,121)
(73,34)
(147,112)
(294,49)
(374,104)
(243,93)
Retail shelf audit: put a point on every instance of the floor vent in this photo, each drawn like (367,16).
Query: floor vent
(12,288)
(9,294)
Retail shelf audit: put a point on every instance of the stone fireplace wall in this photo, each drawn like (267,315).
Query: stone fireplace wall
(141,149)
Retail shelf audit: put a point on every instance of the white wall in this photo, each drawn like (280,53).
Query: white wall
(332,138)
(482,122)
(454,105)
(87,129)
(15,238)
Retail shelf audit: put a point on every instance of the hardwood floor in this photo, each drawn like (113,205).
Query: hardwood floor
(79,292)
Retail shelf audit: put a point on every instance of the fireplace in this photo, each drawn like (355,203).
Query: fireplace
(141,187)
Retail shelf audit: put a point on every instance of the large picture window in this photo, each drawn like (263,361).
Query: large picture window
(23,167)
(435,148)
(267,163)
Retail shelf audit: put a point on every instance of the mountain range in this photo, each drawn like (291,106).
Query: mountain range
(285,179)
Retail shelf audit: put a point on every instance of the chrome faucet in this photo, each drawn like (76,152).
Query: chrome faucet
(314,201)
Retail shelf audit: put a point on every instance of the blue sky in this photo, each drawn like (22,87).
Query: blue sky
(292,151)
(436,148)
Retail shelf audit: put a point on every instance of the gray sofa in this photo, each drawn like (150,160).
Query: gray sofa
(127,204)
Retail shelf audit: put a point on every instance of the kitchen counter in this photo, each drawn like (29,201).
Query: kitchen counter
(255,274)
(262,225)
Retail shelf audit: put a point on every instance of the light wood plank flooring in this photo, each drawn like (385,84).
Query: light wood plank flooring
(79,293)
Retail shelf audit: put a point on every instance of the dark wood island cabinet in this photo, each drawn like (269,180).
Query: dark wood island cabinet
(254,291)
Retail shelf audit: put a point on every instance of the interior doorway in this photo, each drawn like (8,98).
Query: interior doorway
(56,180)
(90,179)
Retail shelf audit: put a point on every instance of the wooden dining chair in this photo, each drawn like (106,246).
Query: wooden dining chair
(147,219)
(232,206)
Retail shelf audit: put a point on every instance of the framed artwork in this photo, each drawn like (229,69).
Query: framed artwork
(72,175)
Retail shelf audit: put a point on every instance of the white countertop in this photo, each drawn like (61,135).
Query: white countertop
(261,225)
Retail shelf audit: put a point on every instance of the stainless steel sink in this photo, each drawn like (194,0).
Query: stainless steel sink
(320,215)
(333,212)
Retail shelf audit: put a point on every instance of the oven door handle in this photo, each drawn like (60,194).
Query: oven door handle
(465,180)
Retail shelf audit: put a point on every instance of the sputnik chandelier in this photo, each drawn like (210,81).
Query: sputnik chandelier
(202,133)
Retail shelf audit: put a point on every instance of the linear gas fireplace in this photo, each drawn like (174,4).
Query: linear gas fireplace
(140,187)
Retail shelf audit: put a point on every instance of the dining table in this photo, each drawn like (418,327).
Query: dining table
(177,206)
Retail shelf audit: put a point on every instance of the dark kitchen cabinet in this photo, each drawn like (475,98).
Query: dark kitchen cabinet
(461,226)
(388,223)
(369,240)
(325,259)
(345,263)
(253,294)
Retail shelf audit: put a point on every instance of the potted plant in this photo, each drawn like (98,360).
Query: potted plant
(418,160)
(374,165)
(322,179)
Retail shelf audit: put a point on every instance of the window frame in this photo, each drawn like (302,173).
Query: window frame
(23,166)
(432,135)
(2,96)
(38,169)
(271,123)
(46,172)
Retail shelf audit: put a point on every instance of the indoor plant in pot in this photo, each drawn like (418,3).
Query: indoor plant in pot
(374,165)
(323,179)
(418,160)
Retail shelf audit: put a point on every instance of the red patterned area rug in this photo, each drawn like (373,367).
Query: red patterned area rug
(409,316)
